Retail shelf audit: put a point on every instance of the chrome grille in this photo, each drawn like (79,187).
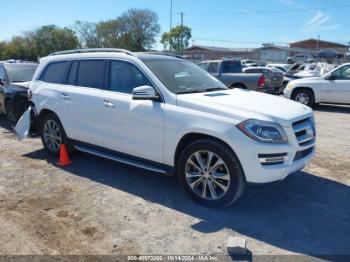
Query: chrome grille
(304,131)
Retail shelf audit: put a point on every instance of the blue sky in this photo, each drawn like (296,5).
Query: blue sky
(226,23)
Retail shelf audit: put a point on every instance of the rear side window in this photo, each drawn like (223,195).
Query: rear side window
(55,72)
(204,66)
(73,73)
(91,73)
(213,68)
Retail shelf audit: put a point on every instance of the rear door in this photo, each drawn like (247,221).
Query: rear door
(82,100)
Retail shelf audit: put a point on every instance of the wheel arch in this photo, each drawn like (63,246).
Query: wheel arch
(305,88)
(236,84)
(195,136)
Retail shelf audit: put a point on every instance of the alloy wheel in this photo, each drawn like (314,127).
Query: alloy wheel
(302,98)
(52,135)
(207,175)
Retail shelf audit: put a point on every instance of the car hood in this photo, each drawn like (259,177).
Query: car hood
(22,84)
(241,105)
(307,80)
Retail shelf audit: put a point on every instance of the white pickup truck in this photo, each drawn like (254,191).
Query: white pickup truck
(334,87)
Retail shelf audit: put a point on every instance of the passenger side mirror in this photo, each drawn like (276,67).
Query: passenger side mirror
(145,93)
(331,77)
(2,82)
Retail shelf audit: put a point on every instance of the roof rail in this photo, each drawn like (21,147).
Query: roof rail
(163,53)
(92,50)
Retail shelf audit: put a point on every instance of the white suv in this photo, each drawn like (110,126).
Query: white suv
(167,115)
(333,87)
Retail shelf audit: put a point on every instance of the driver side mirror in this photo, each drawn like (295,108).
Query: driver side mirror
(331,77)
(145,93)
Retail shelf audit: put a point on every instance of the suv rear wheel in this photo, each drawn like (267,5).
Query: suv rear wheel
(52,134)
(211,173)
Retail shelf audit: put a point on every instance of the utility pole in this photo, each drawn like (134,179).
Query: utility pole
(182,28)
(318,42)
(171,14)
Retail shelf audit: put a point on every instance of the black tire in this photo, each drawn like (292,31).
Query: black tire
(237,181)
(240,86)
(11,113)
(307,93)
(64,140)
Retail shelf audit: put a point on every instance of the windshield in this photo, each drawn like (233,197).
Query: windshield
(181,76)
(21,73)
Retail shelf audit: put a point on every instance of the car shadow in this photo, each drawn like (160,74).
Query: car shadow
(304,214)
(343,109)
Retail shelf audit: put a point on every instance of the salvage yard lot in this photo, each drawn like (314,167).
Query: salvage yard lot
(96,206)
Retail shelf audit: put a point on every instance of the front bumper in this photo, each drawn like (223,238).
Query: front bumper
(252,158)
(287,93)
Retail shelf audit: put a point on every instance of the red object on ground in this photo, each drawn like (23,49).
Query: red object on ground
(64,157)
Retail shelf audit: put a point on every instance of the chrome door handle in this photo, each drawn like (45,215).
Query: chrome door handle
(65,96)
(108,104)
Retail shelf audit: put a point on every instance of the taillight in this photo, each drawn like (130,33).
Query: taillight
(30,95)
(261,81)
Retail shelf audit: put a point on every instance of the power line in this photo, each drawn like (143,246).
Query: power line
(274,11)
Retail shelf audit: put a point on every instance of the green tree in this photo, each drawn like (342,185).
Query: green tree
(177,39)
(140,27)
(87,34)
(50,38)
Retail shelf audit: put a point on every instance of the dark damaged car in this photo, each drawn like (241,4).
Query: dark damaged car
(14,83)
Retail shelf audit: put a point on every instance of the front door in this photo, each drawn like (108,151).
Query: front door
(338,89)
(131,127)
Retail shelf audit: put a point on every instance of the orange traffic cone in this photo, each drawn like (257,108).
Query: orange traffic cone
(64,158)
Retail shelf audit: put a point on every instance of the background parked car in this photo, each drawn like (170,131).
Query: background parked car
(14,83)
(301,58)
(229,71)
(248,63)
(334,87)
(273,78)
(283,67)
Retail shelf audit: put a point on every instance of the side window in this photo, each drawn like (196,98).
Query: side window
(204,66)
(343,73)
(2,73)
(91,73)
(213,67)
(124,77)
(72,76)
(232,67)
(54,72)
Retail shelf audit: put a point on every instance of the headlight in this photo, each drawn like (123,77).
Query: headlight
(289,86)
(262,131)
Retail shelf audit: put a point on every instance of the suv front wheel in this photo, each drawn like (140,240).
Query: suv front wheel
(211,173)
(52,134)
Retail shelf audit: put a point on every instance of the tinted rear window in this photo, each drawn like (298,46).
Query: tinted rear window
(91,73)
(55,72)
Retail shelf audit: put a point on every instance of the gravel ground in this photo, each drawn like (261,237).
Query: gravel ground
(99,207)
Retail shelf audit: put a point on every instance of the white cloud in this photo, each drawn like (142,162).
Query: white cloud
(318,22)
